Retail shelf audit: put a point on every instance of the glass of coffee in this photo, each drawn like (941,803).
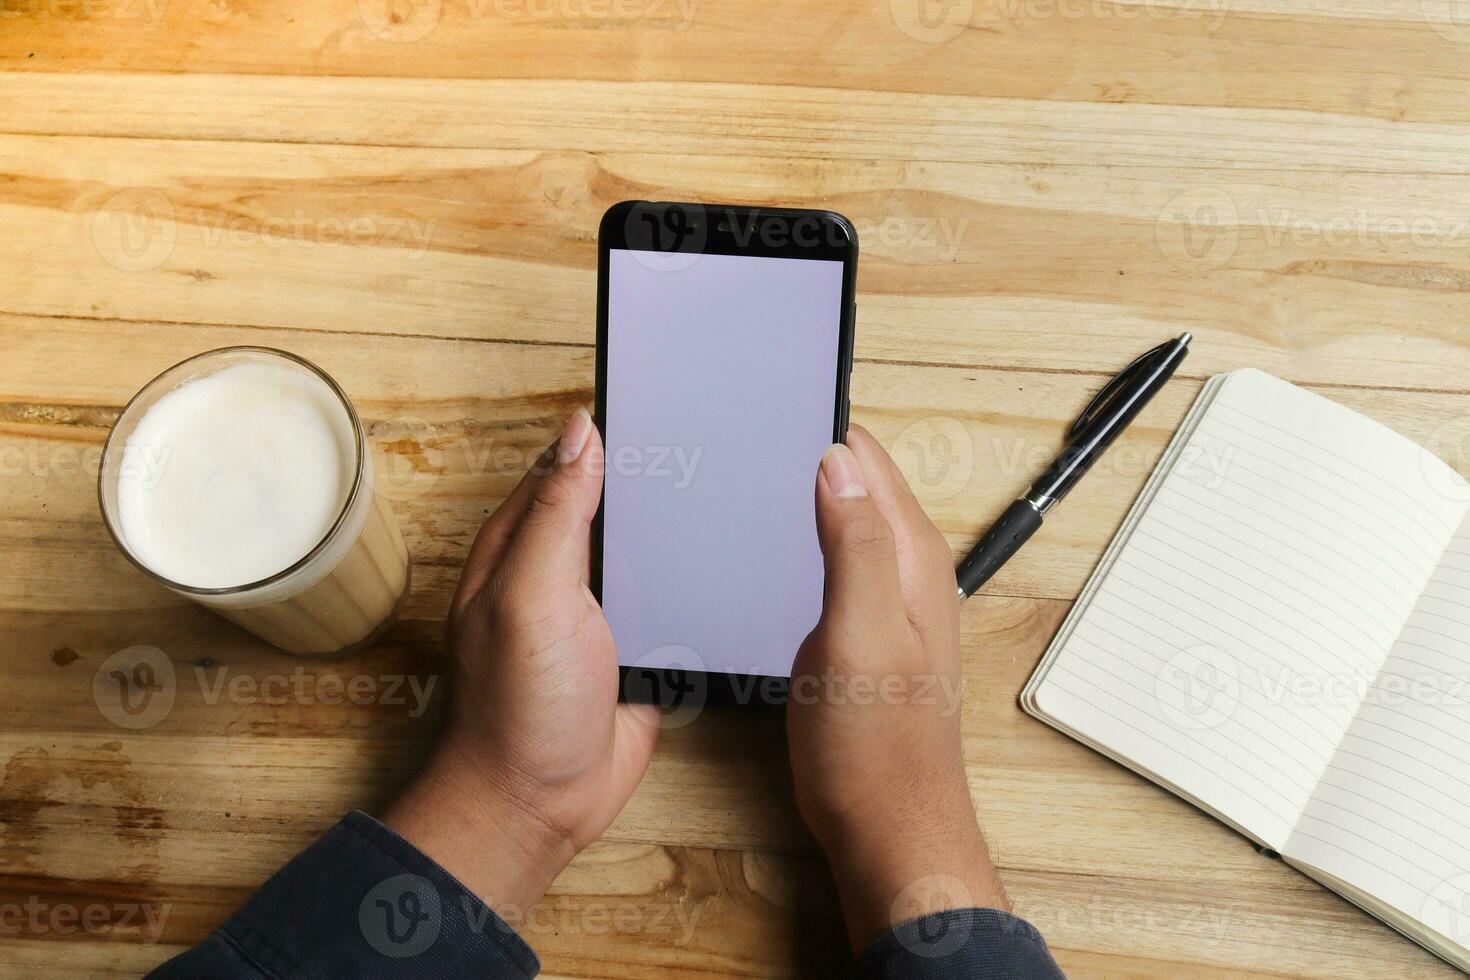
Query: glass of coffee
(241,478)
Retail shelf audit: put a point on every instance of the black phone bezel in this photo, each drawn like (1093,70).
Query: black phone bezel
(723,229)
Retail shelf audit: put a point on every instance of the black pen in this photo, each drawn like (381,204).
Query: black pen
(1108,414)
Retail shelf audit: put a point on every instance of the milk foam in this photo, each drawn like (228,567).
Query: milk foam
(235,476)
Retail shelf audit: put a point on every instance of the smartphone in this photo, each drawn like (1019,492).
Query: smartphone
(724,347)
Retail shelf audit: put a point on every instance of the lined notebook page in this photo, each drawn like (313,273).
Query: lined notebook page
(1282,553)
(1391,814)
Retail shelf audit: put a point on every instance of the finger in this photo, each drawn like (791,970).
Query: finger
(552,541)
(494,534)
(857,546)
(925,563)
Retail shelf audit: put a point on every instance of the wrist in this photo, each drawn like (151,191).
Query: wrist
(897,866)
(478,830)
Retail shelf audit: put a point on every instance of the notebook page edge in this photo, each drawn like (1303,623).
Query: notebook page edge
(1166,462)
(1435,942)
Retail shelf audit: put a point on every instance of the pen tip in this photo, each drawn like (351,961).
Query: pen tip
(1186,337)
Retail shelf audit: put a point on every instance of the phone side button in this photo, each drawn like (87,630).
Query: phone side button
(850,356)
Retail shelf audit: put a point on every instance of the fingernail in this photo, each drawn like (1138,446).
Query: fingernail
(574,437)
(843,473)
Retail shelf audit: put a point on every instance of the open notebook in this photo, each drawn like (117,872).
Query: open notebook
(1280,634)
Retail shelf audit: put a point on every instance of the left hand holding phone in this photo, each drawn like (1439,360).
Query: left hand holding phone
(538,756)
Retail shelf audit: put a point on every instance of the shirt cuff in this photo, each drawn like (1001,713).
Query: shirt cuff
(960,944)
(362,901)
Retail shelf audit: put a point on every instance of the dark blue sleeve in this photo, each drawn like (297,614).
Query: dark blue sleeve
(364,902)
(961,944)
(360,902)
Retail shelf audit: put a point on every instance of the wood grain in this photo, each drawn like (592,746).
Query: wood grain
(1343,55)
(435,231)
(1042,188)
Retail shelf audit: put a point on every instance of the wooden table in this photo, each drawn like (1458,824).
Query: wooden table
(409,195)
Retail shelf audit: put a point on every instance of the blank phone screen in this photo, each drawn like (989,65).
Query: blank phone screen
(720,400)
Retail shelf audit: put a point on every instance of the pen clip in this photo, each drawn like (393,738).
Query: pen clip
(1100,400)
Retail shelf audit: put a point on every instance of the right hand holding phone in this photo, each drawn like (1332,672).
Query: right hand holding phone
(874,716)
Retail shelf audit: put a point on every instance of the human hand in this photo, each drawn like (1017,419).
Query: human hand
(873,713)
(538,757)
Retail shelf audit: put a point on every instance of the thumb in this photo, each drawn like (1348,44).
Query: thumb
(552,541)
(857,546)
(635,731)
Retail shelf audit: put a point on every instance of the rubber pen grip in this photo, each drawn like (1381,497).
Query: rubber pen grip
(1004,539)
